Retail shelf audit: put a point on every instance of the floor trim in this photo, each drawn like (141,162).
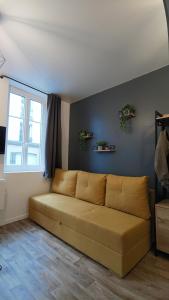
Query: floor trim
(18,218)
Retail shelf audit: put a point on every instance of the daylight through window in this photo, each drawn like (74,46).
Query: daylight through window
(26,132)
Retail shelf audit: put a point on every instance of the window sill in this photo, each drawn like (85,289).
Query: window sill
(16,172)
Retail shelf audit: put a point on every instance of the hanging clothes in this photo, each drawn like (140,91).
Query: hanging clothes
(161,159)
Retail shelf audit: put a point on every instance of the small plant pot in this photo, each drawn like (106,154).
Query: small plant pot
(99,148)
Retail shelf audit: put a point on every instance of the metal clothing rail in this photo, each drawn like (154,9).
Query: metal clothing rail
(29,86)
(161,120)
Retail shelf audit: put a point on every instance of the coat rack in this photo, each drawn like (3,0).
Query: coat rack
(161,121)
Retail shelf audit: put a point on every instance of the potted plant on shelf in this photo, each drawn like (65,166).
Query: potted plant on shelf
(84,135)
(101,145)
(126,113)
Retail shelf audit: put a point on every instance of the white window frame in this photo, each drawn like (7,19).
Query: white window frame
(28,97)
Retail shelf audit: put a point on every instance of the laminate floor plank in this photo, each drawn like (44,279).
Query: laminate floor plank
(39,266)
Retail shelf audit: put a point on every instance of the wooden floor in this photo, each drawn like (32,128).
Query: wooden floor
(37,265)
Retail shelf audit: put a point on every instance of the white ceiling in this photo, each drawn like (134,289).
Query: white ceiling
(80,47)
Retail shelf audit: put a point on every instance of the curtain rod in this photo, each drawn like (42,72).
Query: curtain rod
(5,76)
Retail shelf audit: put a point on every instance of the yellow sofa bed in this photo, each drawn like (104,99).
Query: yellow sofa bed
(106,217)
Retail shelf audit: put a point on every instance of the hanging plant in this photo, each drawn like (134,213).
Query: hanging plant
(84,136)
(126,113)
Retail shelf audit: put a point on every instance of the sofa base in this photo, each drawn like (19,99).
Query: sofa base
(118,263)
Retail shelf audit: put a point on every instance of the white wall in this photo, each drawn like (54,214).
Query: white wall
(20,186)
(4,88)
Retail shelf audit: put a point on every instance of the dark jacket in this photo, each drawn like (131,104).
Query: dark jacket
(161,163)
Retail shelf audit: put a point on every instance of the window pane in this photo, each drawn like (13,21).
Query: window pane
(35,111)
(33,156)
(15,130)
(16,106)
(34,133)
(14,155)
(24,151)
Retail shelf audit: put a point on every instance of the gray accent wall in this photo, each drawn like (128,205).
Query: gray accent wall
(100,114)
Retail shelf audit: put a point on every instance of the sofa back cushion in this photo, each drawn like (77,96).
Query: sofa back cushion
(64,182)
(91,187)
(128,194)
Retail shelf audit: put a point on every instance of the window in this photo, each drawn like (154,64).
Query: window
(26,132)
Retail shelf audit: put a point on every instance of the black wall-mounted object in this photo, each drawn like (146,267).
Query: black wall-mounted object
(2,139)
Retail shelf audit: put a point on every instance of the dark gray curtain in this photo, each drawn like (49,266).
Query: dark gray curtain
(53,136)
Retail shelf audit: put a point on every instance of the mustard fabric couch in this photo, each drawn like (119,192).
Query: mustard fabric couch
(107,217)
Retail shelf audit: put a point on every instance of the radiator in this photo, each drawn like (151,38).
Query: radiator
(2,193)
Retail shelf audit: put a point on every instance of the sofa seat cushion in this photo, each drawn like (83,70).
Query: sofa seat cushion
(53,205)
(114,229)
(64,182)
(91,187)
(128,194)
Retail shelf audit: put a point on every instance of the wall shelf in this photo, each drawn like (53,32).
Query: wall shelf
(87,137)
(162,119)
(104,150)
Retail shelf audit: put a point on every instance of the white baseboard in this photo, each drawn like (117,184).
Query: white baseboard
(18,218)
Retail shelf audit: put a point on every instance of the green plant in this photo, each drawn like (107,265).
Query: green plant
(101,143)
(83,137)
(82,134)
(126,113)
